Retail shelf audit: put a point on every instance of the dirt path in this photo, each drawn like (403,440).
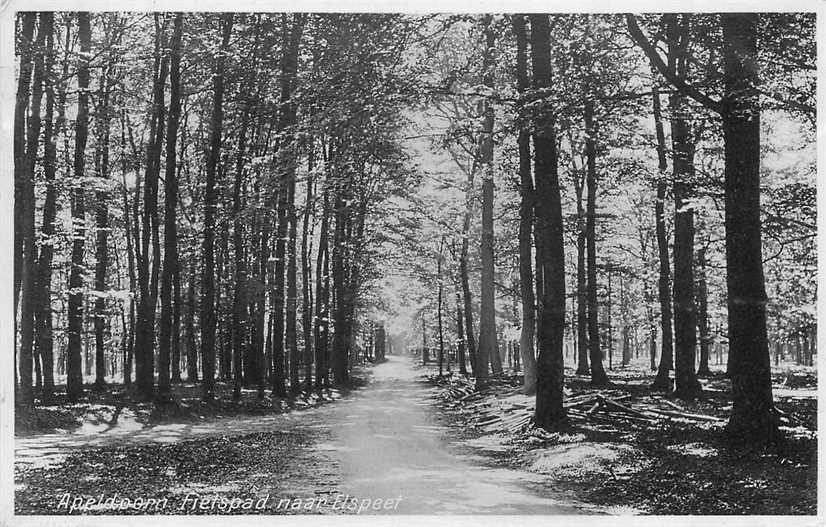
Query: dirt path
(388,445)
(383,441)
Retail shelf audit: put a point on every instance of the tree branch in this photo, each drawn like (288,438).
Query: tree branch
(678,82)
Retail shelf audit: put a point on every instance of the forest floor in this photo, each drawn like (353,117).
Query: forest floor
(640,452)
(383,448)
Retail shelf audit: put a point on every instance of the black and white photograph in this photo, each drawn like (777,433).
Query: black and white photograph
(281,261)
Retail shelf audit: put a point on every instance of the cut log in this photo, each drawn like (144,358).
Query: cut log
(686,415)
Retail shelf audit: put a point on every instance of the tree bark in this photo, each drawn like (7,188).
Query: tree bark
(752,419)
(685,316)
(549,244)
(170,255)
(24,51)
(74,379)
(685,313)
(130,254)
(662,381)
(149,264)
(487,317)
(470,339)
(25,220)
(290,109)
(322,320)
(526,206)
(702,313)
(43,309)
(102,197)
(460,334)
(339,353)
(581,281)
(208,321)
(306,273)
(189,324)
(240,312)
(598,375)
(439,297)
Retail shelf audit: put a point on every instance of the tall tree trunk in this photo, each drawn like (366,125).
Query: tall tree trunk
(460,333)
(263,340)
(439,297)
(685,314)
(291,334)
(598,375)
(464,277)
(239,327)
(284,343)
(549,244)
(150,262)
(208,321)
(306,272)
(289,116)
(526,206)
(177,312)
(130,255)
(189,323)
(223,301)
(339,353)
(24,51)
(43,309)
(487,317)
(581,281)
(26,220)
(752,419)
(74,379)
(702,313)
(277,311)
(102,197)
(322,322)
(28,351)
(170,256)
(663,379)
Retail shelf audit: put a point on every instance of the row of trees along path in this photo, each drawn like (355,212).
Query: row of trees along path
(225,196)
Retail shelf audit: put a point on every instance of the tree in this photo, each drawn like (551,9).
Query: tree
(549,243)
(102,196)
(526,207)
(24,50)
(752,419)
(598,375)
(74,379)
(288,86)
(149,260)
(170,257)
(685,314)
(208,321)
(43,311)
(662,381)
(27,272)
(487,318)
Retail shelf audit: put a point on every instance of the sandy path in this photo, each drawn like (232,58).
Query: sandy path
(384,439)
